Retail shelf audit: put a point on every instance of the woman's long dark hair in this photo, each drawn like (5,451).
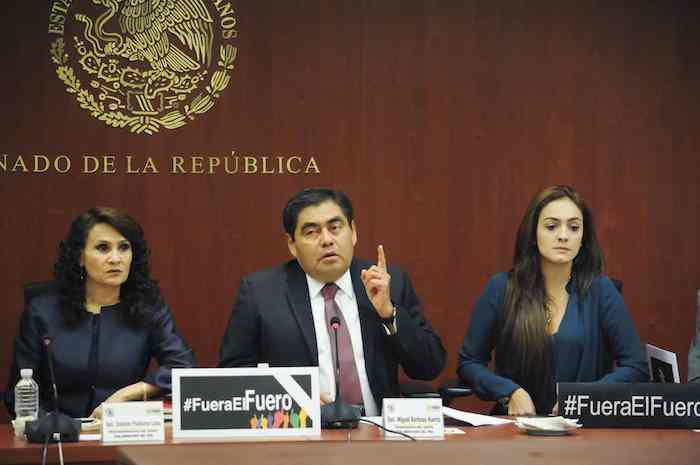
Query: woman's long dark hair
(138,294)
(523,351)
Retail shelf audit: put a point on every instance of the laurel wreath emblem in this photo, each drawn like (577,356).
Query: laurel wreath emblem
(147,124)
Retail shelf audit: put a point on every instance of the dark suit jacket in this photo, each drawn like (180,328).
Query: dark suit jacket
(95,357)
(272,323)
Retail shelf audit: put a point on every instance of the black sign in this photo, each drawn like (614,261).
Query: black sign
(631,405)
(241,402)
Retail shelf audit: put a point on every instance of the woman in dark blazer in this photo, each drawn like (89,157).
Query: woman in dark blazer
(106,321)
(553,318)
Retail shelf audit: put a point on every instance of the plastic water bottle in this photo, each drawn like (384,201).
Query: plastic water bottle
(26,400)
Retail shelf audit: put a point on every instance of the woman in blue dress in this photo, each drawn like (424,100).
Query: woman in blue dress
(105,319)
(553,318)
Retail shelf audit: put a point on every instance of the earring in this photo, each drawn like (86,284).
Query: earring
(82,273)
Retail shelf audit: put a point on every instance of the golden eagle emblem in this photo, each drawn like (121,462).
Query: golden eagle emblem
(145,59)
(147,29)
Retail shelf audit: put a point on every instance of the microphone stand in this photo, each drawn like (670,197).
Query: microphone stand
(54,426)
(338,414)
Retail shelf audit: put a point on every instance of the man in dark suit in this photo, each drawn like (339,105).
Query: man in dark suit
(282,315)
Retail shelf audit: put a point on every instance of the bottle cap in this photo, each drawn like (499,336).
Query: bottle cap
(26,372)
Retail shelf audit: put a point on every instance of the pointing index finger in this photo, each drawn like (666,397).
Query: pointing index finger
(381,258)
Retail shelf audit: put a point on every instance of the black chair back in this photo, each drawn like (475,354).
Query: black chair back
(38,288)
(30,290)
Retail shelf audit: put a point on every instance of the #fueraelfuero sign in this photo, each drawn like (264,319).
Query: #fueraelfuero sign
(631,405)
(246,402)
(143,65)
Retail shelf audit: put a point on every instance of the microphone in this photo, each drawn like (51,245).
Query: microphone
(46,340)
(54,426)
(338,414)
(335,326)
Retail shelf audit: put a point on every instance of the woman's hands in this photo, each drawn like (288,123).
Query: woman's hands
(520,403)
(116,397)
(136,391)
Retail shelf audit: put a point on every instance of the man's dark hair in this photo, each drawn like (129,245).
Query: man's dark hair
(313,196)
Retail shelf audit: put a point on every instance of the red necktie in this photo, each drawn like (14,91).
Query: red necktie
(350,389)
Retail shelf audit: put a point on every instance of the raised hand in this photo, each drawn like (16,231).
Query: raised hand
(376,280)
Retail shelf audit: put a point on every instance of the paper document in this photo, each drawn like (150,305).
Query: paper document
(663,365)
(546,423)
(474,419)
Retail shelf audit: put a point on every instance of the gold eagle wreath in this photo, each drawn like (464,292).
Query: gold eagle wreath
(138,21)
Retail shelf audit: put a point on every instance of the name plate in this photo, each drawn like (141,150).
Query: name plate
(631,405)
(246,402)
(133,422)
(420,418)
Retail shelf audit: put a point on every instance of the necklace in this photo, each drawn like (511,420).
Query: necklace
(558,304)
(547,316)
(93,308)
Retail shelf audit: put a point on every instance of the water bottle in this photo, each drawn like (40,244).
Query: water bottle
(26,400)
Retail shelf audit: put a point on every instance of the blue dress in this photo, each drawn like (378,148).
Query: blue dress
(594,333)
(95,357)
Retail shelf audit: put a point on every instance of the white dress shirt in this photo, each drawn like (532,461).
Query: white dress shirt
(345,298)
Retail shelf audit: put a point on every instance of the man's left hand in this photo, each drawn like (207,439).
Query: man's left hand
(376,281)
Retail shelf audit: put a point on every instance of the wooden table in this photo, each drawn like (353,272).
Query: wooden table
(18,451)
(365,446)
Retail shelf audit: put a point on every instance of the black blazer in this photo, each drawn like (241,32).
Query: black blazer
(96,356)
(272,323)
